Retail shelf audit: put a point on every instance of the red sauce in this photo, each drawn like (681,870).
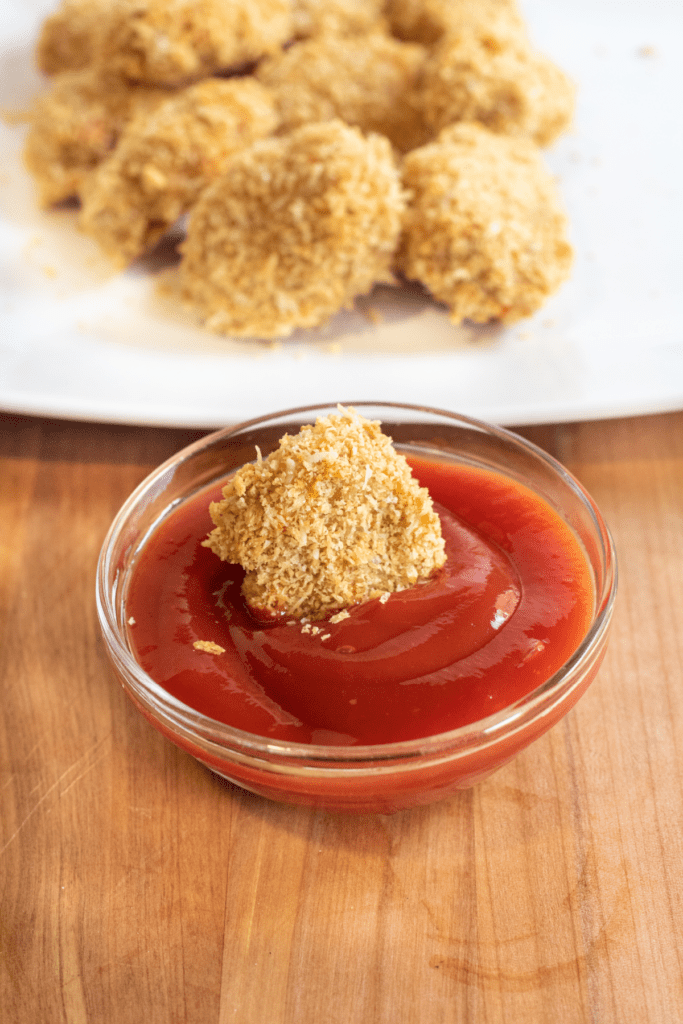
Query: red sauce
(510,606)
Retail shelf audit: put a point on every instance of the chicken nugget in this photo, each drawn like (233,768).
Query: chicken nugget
(164,160)
(341,17)
(70,37)
(484,230)
(358,524)
(496,78)
(75,125)
(174,42)
(427,21)
(366,81)
(294,230)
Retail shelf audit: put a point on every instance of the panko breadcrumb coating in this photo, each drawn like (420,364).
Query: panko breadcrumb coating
(75,126)
(367,81)
(427,21)
(484,230)
(332,518)
(294,230)
(164,160)
(342,17)
(496,78)
(303,223)
(70,37)
(173,42)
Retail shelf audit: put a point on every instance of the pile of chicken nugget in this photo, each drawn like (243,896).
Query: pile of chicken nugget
(311,149)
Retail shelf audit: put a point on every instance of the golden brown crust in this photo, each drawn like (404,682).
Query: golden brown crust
(496,78)
(427,21)
(368,81)
(340,17)
(70,37)
(173,42)
(294,230)
(332,518)
(164,160)
(75,125)
(484,230)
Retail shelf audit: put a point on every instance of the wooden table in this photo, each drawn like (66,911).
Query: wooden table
(137,887)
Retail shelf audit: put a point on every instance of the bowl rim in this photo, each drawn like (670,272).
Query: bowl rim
(222,737)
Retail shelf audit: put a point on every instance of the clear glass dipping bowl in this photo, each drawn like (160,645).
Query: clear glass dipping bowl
(386,777)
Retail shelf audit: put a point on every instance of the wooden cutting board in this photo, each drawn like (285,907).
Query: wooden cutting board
(137,887)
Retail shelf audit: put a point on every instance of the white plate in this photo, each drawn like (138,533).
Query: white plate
(79,342)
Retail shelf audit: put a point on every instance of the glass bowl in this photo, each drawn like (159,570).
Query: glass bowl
(380,778)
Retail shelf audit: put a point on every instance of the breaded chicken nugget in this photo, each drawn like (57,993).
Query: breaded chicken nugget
(358,524)
(294,230)
(484,230)
(366,81)
(426,21)
(164,160)
(70,37)
(342,17)
(173,42)
(495,78)
(75,125)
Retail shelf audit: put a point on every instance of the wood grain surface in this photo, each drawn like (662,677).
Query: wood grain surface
(137,887)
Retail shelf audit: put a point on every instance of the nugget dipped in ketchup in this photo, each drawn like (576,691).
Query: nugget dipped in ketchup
(333,517)
(360,595)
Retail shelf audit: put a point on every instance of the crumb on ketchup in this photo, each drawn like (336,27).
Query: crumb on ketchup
(511,604)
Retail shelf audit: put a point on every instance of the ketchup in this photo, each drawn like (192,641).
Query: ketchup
(511,604)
